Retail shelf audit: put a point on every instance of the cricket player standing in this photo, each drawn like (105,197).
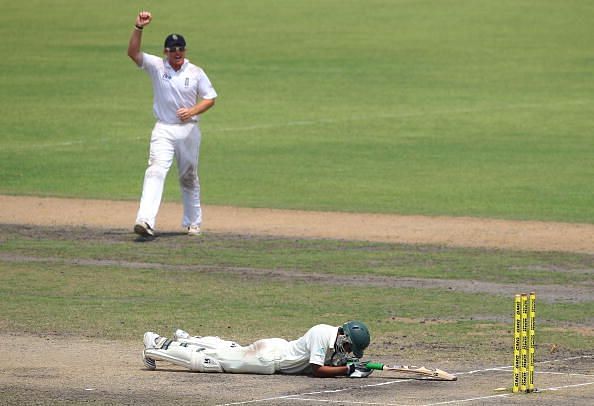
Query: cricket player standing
(182,92)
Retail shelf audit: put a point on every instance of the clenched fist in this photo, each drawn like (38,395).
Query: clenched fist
(143,18)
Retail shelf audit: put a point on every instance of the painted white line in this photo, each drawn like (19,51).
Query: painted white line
(566,386)
(343,402)
(478,371)
(506,394)
(503,368)
(258,400)
(564,374)
(566,359)
(449,402)
(299,396)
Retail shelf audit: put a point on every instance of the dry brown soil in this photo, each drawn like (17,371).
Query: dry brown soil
(48,369)
(448,231)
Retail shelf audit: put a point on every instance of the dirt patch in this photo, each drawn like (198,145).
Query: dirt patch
(447,231)
(48,369)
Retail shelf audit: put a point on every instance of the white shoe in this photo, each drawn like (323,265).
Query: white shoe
(179,333)
(142,228)
(194,230)
(149,363)
(150,341)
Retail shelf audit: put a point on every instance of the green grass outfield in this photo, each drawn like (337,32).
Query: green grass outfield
(466,107)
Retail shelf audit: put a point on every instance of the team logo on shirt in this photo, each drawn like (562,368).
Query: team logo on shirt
(166,76)
(187,82)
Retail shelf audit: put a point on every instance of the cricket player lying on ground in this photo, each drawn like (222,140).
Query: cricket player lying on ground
(323,351)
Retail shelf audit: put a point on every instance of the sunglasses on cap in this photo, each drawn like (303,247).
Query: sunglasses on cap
(175,49)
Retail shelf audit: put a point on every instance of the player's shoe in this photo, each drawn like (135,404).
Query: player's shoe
(151,340)
(180,334)
(143,229)
(149,363)
(194,230)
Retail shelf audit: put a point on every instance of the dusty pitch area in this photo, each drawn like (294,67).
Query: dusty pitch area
(73,370)
(59,369)
(449,231)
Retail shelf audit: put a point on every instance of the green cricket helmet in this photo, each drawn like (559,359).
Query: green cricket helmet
(358,334)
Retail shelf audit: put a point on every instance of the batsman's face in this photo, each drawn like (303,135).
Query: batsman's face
(343,344)
(175,57)
(347,347)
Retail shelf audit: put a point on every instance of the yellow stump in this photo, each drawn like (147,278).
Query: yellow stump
(531,346)
(517,345)
(524,343)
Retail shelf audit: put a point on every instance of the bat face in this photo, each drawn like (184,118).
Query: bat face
(423,372)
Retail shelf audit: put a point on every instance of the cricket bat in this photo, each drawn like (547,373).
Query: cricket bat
(421,372)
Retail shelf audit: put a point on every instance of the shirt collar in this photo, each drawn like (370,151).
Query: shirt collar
(168,66)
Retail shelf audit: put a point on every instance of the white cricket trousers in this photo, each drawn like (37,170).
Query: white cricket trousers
(181,141)
(211,354)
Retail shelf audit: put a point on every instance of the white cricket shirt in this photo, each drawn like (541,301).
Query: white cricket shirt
(315,347)
(173,90)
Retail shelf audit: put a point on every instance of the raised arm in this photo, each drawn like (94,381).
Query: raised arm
(142,19)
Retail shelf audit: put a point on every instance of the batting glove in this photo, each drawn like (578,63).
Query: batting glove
(358,370)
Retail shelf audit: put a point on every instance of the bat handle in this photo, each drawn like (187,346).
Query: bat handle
(375,365)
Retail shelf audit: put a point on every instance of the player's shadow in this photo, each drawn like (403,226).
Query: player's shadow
(141,239)
(185,371)
(164,235)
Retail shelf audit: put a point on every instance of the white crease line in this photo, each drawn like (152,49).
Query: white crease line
(504,395)
(537,363)
(478,371)
(507,394)
(566,359)
(566,386)
(350,402)
(564,374)
(317,392)
(259,400)
(296,396)
(448,402)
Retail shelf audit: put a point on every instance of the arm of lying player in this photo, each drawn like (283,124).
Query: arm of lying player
(352,370)
(328,371)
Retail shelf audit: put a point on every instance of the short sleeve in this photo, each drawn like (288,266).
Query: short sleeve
(319,341)
(205,88)
(150,63)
